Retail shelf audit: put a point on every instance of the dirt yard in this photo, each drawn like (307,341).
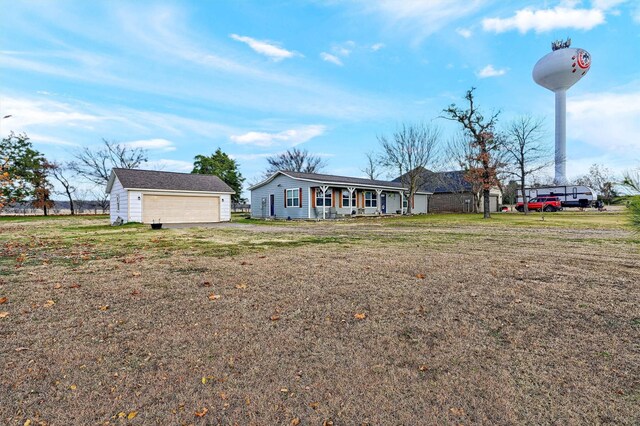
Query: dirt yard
(427,320)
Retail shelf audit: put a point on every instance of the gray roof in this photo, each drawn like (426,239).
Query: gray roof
(441,182)
(153,179)
(343,179)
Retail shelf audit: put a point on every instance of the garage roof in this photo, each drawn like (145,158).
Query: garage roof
(172,181)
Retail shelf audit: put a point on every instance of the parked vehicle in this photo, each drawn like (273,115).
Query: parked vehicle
(539,204)
(570,196)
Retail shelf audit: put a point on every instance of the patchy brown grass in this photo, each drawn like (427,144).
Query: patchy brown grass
(462,324)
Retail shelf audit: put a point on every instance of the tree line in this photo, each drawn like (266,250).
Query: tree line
(488,155)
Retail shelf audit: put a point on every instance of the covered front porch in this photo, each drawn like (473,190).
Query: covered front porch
(332,202)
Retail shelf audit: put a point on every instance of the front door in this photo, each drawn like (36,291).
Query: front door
(383,203)
(272,205)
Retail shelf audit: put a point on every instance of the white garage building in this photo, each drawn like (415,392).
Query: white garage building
(149,196)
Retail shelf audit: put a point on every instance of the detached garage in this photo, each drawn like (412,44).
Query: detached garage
(149,196)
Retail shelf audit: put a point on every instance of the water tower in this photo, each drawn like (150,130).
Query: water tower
(558,71)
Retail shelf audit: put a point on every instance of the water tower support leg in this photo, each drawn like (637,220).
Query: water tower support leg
(561,138)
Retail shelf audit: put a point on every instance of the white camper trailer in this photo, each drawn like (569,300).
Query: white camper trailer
(570,196)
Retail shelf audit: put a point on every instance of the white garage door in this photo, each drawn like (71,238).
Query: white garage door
(180,209)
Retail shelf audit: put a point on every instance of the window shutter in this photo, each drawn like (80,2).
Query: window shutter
(340,199)
(313,197)
(300,198)
(285,198)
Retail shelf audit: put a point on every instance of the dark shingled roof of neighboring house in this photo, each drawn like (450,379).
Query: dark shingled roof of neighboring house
(440,182)
(153,179)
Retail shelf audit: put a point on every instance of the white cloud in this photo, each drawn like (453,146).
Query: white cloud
(266,48)
(544,20)
(610,121)
(490,71)
(290,137)
(377,46)
(152,144)
(328,57)
(464,32)
(169,165)
(420,18)
(606,4)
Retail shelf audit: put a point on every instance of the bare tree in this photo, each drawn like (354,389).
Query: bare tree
(295,160)
(95,165)
(372,169)
(410,150)
(601,179)
(58,171)
(484,145)
(525,150)
(101,200)
(461,152)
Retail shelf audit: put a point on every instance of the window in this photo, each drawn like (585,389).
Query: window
(405,202)
(370,199)
(323,202)
(118,202)
(575,192)
(293,197)
(346,199)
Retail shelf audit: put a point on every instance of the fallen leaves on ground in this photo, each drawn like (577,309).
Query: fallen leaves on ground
(136,274)
(421,276)
(104,308)
(57,286)
(4,314)
(457,411)
(241,286)
(48,303)
(73,387)
(213,296)
(132,415)
(423,367)
(202,412)
(360,316)
(76,285)
(314,405)
(295,421)
(275,317)
(205,284)
(3,300)
(135,292)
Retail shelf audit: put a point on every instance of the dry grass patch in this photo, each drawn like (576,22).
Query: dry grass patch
(353,322)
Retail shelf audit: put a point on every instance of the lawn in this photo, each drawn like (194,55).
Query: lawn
(439,319)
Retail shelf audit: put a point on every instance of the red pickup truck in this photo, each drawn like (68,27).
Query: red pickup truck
(547,204)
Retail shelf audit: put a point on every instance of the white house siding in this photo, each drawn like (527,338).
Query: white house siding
(114,213)
(260,194)
(225,207)
(135,206)
(420,204)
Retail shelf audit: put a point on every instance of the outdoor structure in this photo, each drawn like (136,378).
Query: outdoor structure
(149,196)
(297,195)
(451,193)
(558,71)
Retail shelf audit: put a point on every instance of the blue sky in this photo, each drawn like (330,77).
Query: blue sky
(257,77)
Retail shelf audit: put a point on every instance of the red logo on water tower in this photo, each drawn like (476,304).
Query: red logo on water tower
(584,59)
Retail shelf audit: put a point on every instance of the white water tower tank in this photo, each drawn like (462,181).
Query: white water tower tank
(558,71)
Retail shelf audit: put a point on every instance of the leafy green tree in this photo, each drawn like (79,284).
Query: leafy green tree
(223,166)
(24,171)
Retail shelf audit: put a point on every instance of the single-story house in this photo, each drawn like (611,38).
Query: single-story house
(149,196)
(452,193)
(298,195)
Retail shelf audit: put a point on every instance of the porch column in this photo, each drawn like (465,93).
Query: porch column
(351,190)
(324,191)
(378,192)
